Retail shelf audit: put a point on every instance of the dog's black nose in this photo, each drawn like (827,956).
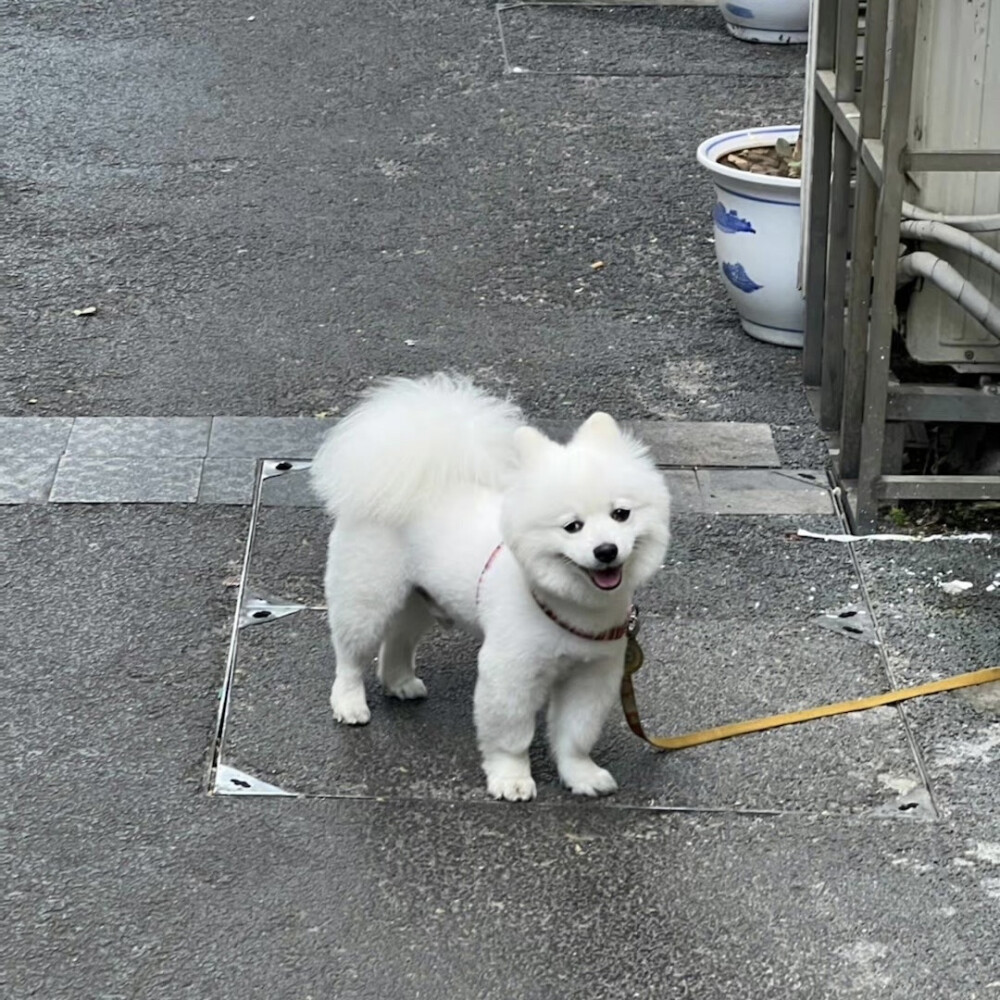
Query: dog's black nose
(606,552)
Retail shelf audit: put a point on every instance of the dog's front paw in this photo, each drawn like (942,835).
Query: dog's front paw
(349,704)
(508,776)
(584,777)
(412,687)
(512,789)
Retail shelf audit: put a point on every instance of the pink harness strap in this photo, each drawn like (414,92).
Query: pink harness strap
(485,570)
(618,632)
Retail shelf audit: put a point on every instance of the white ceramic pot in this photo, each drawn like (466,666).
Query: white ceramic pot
(757,221)
(778,21)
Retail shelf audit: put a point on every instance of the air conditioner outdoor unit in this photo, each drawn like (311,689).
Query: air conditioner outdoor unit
(956,106)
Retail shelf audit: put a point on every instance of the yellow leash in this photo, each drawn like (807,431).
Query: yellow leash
(633,660)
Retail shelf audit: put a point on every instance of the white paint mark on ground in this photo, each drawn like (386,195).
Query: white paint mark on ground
(984,698)
(961,752)
(979,536)
(393,169)
(991,886)
(863,959)
(897,783)
(985,850)
(690,377)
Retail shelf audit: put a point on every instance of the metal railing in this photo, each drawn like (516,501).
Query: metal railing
(860,161)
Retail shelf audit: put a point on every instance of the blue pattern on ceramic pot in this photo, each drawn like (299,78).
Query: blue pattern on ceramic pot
(738,276)
(730,221)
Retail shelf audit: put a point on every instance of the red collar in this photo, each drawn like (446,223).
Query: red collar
(610,635)
(618,632)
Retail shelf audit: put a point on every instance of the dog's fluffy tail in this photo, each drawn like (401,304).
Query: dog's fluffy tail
(409,442)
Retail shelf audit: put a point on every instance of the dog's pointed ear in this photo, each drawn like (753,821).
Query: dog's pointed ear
(598,429)
(531,444)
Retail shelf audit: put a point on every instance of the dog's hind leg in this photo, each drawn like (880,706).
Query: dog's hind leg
(396,666)
(366,589)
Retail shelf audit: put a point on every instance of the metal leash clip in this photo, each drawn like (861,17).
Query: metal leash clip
(633,651)
(633,623)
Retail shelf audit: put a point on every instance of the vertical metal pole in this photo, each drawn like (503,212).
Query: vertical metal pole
(824,38)
(840,193)
(831,394)
(894,133)
(819,197)
(892,451)
(845,55)
(863,245)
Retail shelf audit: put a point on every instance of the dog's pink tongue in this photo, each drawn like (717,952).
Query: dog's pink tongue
(607,579)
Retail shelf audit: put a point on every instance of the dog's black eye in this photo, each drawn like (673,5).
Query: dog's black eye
(620,514)
(573,527)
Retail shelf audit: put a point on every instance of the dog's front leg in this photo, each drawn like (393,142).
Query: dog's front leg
(509,694)
(579,705)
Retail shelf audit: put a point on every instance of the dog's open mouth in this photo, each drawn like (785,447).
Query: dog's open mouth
(606,579)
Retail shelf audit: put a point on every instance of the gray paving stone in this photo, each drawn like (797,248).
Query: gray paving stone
(709,444)
(227,480)
(685,496)
(231,481)
(126,479)
(678,443)
(39,437)
(171,437)
(693,443)
(26,479)
(673,444)
(764,491)
(266,437)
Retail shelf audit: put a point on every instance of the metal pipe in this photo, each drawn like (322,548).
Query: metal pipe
(967,223)
(940,273)
(949,236)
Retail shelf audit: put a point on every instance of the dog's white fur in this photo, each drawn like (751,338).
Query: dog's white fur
(425,478)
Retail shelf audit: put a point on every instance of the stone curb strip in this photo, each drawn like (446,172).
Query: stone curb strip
(712,467)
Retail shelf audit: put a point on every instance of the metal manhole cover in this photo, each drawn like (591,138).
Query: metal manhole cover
(713,655)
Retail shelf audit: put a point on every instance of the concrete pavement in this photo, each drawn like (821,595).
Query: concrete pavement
(271,206)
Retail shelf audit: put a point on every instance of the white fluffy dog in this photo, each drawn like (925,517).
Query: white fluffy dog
(447,507)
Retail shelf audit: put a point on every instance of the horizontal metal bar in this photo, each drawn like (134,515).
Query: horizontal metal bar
(946,403)
(955,160)
(825,84)
(872,158)
(846,114)
(938,487)
(847,117)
